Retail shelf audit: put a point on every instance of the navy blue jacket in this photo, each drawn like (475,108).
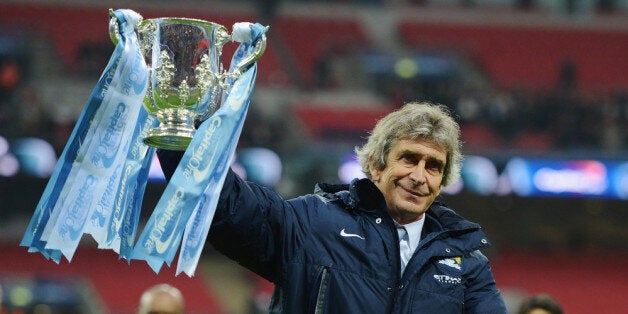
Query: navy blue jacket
(298,245)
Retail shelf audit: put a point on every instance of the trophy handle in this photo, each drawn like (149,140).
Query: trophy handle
(222,38)
(244,64)
(114,30)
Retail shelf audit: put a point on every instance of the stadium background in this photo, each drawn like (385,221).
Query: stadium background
(540,82)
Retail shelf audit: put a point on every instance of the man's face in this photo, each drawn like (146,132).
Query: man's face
(411,179)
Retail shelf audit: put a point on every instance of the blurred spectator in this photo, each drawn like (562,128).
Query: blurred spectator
(33,118)
(339,67)
(267,10)
(540,304)
(92,58)
(605,6)
(9,75)
(525,5)
(568,75)
(161,299)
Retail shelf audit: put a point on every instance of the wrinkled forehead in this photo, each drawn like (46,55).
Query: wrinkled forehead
(423,140)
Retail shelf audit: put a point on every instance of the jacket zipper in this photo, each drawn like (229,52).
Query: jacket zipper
(322,291)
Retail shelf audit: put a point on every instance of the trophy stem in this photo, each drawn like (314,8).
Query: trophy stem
(175,131)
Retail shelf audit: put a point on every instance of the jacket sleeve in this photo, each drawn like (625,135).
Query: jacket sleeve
(169,160)
(481,295)
(243,228)
(256,227)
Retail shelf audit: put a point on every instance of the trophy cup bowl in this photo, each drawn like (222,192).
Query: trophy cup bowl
(187,79)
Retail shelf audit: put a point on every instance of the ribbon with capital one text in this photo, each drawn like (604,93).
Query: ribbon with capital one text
(89,167)
(98,184)
(187,206)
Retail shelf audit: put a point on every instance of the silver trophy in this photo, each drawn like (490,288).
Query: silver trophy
(187,78)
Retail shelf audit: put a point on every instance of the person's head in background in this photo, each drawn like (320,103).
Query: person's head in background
(540,304)
(161,299)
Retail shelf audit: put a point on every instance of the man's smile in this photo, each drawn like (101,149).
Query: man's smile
(411,191)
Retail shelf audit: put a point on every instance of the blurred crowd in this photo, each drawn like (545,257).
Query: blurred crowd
(565,120)
(561,117)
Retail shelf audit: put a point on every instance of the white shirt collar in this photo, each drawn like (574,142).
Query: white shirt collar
(414,232)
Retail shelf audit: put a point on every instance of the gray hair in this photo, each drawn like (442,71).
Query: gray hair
(412,121)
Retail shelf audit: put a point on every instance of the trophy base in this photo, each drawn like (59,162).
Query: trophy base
(176,137)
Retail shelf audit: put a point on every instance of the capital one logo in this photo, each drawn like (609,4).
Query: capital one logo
(110,140)
(198,166)
(166,224)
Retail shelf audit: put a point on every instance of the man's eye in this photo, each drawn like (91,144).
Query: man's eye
(434,167)
(409,159)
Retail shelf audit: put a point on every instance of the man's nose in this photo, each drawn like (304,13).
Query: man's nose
(417,174)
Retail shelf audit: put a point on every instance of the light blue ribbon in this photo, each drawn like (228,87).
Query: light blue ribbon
(99,182)
(232,119)
(126,208)
(189,201)
(83,185)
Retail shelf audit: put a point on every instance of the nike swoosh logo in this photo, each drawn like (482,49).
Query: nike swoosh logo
(201,174)
(349,235)
(162,246)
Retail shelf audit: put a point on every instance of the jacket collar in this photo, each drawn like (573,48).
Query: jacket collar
(360,194)
(363,195)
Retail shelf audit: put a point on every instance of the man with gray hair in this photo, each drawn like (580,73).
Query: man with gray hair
(161,299)
(381,244)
